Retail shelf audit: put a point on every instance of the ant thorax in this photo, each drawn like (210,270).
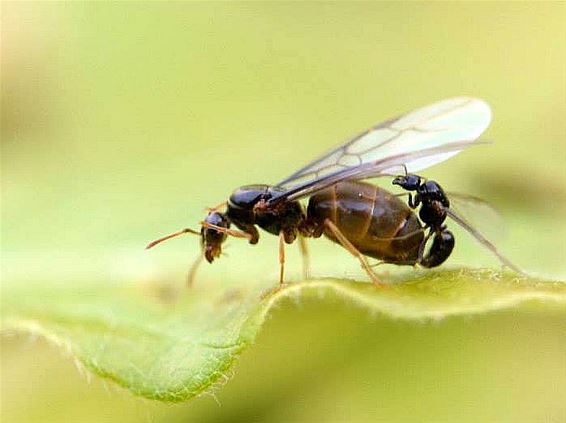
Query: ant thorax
(249,205)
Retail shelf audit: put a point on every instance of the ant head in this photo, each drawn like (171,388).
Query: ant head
(212,234)
(409,182)
(214,230)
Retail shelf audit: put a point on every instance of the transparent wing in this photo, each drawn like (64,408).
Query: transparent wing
(482,240)
(388,166)
(451,120)
(479,213)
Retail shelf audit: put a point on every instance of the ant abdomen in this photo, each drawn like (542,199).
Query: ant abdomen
(442,245)
(374,221)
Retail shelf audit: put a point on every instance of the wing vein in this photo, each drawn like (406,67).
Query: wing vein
(414,141)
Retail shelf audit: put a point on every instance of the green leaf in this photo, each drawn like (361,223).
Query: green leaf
(171,345)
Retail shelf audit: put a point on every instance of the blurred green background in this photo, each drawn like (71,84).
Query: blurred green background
(122,121)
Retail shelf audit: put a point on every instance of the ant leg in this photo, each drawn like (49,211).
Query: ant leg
(353,250)
(414,201)
(411,204)
(303,247)
(216,208)
(281,258)
(251,230)
(423,246)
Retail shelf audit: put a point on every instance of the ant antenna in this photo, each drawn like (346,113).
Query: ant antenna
(194,267)
(173,235)
(231,232)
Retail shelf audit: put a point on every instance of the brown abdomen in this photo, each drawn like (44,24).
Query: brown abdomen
(376,222)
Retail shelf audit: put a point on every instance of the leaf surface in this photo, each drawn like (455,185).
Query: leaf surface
(172,345)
